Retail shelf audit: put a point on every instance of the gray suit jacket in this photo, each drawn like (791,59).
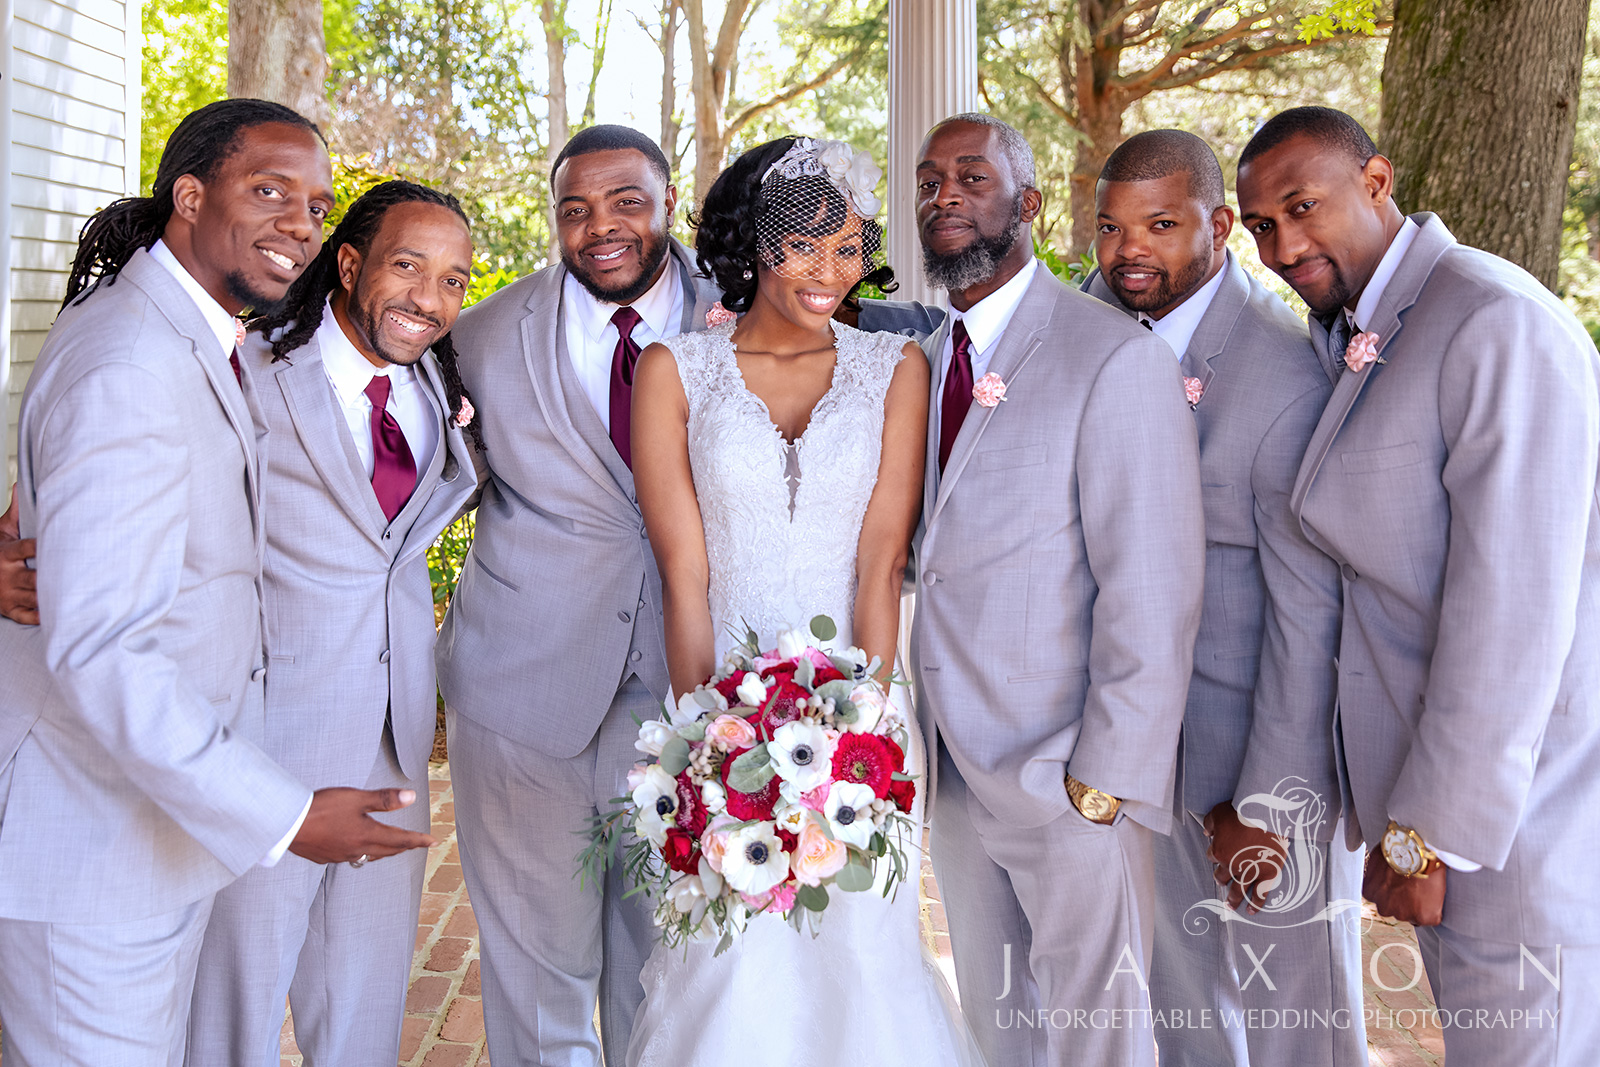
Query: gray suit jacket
(346,594)
(137,784)
(1455,485)
(1061,567)
(1269,630)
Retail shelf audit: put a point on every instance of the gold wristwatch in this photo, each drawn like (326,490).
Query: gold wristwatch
(1091,803)
(1406,852)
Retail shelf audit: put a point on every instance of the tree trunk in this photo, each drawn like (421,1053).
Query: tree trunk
(669,82)
(276,52)
(554,17)
(1480,104)
(1100,108)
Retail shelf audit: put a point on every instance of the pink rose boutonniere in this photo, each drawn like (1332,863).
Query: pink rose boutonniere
(465,414)
(989,390)
(1193,390)
(717,315)
(1362,352)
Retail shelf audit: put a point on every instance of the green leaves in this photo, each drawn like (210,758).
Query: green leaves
(675,756)
(854,877)
(812,897)
(1340,16)
(823,628)
(751,771)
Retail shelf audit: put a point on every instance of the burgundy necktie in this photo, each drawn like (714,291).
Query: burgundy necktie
(238,375)
(957,397)
(394,471)
(622,363)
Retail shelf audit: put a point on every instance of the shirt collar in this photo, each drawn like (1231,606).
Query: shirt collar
(1177,326)
(348,370)
(987,319)
(1367,306)
(654,307)
(222,324)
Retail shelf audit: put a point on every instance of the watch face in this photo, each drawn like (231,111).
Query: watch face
(1402,851)
(1096,805)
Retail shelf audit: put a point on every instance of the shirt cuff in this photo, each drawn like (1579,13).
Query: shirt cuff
(272,858)
(1457,863)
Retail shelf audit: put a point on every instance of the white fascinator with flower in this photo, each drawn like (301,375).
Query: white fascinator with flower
(853,173)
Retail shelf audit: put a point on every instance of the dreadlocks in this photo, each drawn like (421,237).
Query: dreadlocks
(294,323)
(199,146)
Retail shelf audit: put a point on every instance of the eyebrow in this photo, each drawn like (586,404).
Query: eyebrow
(414,253)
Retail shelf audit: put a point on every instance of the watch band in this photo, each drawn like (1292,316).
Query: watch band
(1406,853)
(1091,803)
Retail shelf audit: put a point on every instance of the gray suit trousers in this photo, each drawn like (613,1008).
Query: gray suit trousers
(336,940)
(550,945)
(1051,931)
(98,994)
(1300,984)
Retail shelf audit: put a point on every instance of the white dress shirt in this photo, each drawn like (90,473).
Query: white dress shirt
(225,326)
(592,339)
(349,372)
(986,323)
(1177,326)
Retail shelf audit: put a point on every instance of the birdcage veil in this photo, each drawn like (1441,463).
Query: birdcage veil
(816,190)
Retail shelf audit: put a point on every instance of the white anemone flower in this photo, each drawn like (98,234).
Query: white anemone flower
(656,799)
(802,753)
(849,812)
(752,690)
(755,861)
(653,735)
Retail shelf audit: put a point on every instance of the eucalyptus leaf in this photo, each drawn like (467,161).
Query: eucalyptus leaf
(838,690)
(844,711)
(901,776)
(854,877)
(695,731)
(843,666)
(812,897)
(675,756)
(823,628)
(805,673)
(751,771)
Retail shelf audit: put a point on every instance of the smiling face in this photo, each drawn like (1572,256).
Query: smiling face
(250,231)
(972,215)
(817,272)
(613,212)
(1157,242)
(1320,220)
(406,291)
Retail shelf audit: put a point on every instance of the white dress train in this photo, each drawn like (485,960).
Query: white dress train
(782,521)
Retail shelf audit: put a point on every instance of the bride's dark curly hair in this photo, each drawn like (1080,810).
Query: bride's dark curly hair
(728,246)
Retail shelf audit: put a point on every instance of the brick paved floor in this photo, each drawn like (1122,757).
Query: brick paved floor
(444,1012)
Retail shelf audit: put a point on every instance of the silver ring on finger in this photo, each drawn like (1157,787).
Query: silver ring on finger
(359,861)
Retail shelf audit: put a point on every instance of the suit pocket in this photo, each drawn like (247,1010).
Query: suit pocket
(1381,459)
(1010,458)
(491,575)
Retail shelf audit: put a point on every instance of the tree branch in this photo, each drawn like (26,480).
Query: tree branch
(1246,58)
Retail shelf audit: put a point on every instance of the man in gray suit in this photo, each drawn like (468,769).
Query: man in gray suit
(1060,578)
(132,787)
(1261,696)
(1453,479)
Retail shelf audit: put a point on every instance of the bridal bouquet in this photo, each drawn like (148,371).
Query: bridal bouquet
(777,782)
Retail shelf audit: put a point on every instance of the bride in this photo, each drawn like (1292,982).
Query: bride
(778,462)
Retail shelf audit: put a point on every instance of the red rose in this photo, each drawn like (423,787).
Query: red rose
(895,753)
(749,805)
(790,841)
(903,793)
(727,686)
(825,675)
(865,759)
(682,851)
(691,809)
(783,672)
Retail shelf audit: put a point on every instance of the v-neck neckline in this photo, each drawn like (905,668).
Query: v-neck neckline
(789,443)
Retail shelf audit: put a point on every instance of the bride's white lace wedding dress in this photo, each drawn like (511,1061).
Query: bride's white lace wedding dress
(782,522)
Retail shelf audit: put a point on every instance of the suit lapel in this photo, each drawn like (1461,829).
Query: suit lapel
(1211,336)
(444,467)
(699,292)
(1433,241)
(322,429)
(1021,338)
(930,469)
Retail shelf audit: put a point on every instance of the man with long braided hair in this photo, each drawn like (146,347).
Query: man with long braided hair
(132,782)
(368,466)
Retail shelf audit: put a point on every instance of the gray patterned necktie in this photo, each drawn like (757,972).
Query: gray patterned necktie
(1338,341)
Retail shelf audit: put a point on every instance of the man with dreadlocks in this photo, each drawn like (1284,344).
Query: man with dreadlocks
(368,466)
(132,787)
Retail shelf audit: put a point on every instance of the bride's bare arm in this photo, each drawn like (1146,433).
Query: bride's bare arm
(662,478)
(892,513)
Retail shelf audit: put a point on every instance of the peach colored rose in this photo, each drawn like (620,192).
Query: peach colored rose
(731,732)
(1362,351)
(717,315)
(465,414)
(817,856)
(714,841)
(989,390)
(1193,390)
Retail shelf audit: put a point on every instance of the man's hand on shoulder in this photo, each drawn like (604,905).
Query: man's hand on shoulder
(19,599)
(340,829)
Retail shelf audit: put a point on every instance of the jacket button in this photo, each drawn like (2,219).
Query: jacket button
(258,674)
(929,578)
(384,656)
(623,616)
(636,655)
(1349,572)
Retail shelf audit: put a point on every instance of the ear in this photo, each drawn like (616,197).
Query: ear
(188,194)
(349,267)
(1032,204)
(1378,176)
(1221,224)
(671,202)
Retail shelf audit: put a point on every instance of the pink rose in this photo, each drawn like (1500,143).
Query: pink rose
(1193,390)
(989,390)
(465,414)
(717,315)
(731,732)
(714,841)
(816,799)
(817,856)
(1362,351)
(636,775)
(778,899)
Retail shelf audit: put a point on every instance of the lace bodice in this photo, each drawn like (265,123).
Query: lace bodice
(782,520)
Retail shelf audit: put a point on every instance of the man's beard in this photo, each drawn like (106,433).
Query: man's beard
(651,255)
(370,320)
(978,262)
(239,288)
(1170,291)
(1340,291)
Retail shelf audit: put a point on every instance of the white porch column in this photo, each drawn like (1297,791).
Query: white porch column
(933,73)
